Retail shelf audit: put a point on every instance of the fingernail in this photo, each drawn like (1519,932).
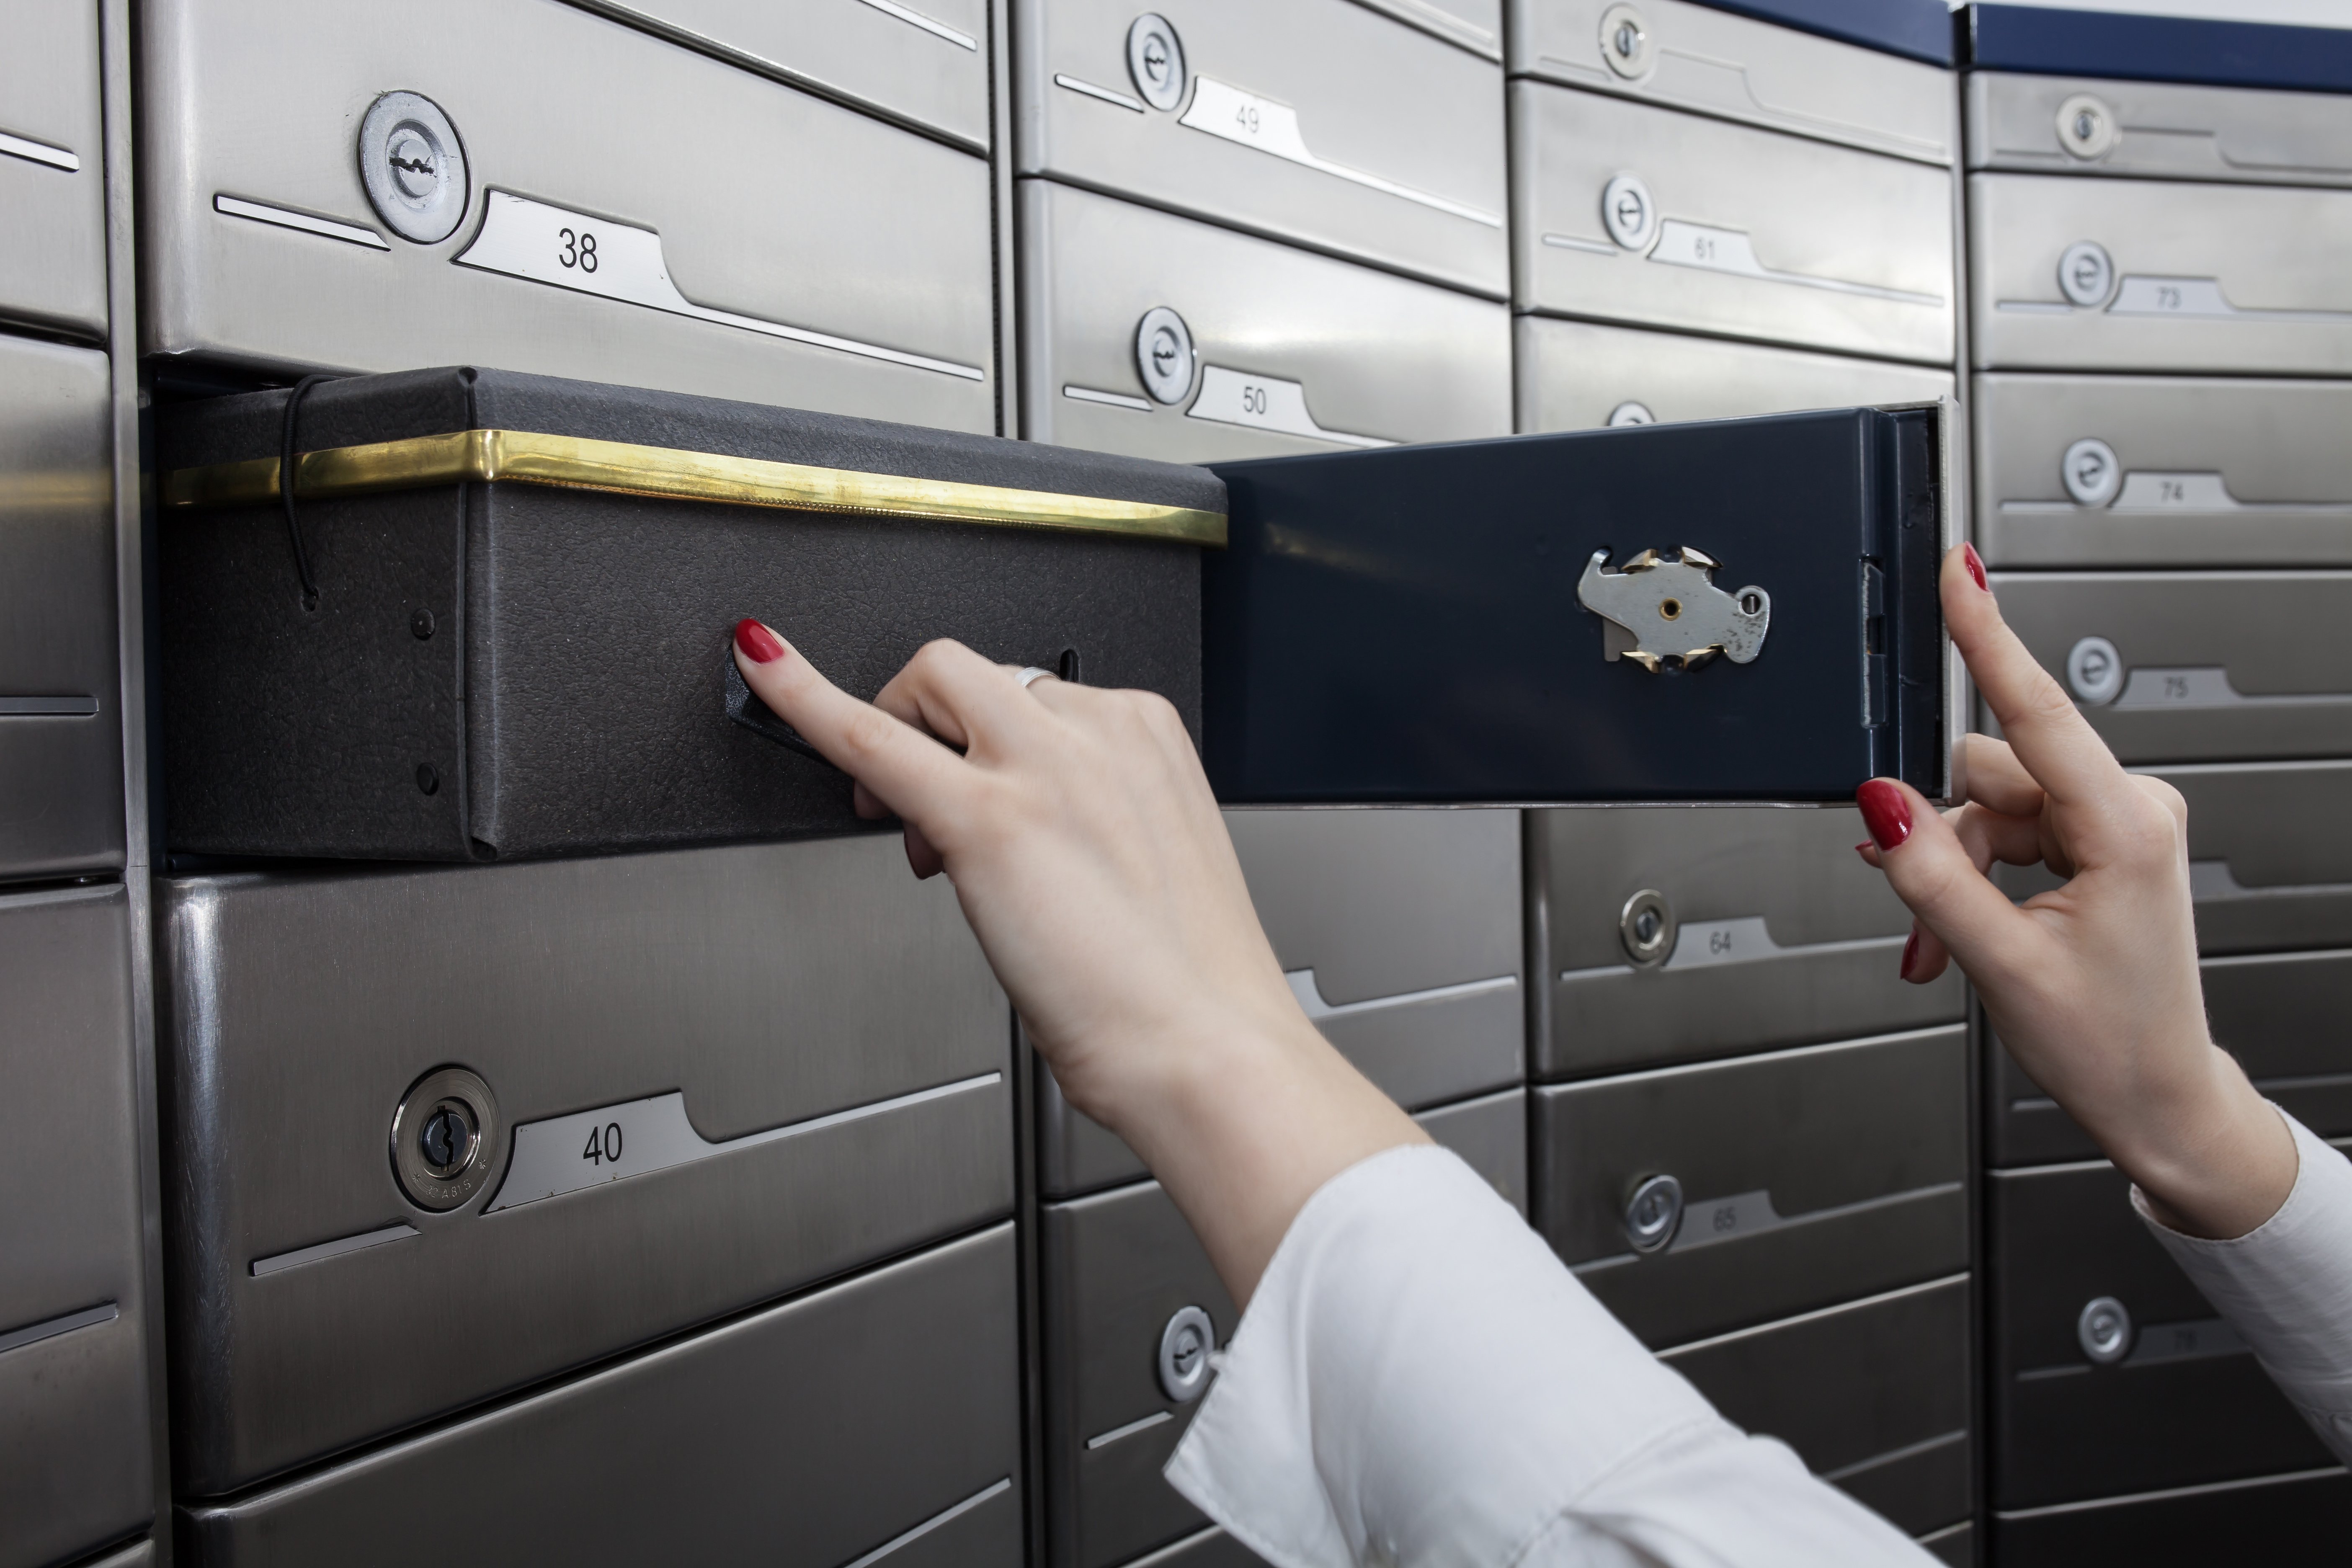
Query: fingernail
(760,645)
(1861,848)
(1976,565)
(1910,954)
(1885,812)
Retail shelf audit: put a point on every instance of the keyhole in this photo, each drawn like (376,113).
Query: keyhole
(1750,603)
(1670,608)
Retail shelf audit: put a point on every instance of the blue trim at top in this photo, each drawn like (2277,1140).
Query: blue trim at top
(2158,49)
(1921,29)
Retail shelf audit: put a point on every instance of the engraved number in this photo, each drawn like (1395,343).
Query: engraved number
(579,249)
(1246,118)
(1718,942)
(604,1144)
(2172,492)
(2176,689)
(1254,400)
(2167,297)
(1702,247)
(1726,1218)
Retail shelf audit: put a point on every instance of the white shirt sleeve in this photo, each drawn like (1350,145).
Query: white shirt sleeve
(1419,1381)
(2286,1286)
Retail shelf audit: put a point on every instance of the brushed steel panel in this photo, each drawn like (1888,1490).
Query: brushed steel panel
(1796,242)
(2269,261)
(1406,133)
(1874,1396)
(2162,130)
(1859,1152)
(137,1554)
(1379,356)
(75,1457)
(1405,920)
(2209,472)
(2293,1518)
(2063,1429)
(767,984)
(52,169)
(2216,666)
(2281,1015)
(1574,375)
(2270,853)
(1735,67)
(1826,963)
(813,1433)
(60,772)
(1212,1547)
(1475,25)
(1115,1266)
(769,203)
(924,62)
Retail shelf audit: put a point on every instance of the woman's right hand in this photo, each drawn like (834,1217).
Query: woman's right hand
(2094,985)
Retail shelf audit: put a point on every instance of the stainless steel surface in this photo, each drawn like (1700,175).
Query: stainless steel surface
(1734,68)
(1318,122)
(2184,1404)
(1873,1396)
(1400,933)
(139,1554)
(2281,1015)
(74,1463)
(2195,665)
(1577,375)
(1782,936)
(1117,1268)
(52,169)
(2162,130)
(2111,471)
(769,987)
(924,62)
(1212,1547)
(827,1431)
(1475,24)
(2270,853)
(2200,278)
(60,718)
(1297,353)
(1759,235)
(725,209)
(1812,1176)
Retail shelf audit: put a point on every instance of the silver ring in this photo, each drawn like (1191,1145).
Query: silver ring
(1032,674)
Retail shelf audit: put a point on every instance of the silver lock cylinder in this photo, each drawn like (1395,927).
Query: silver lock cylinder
(1653,1213)
(414,168)
(2086,127)
(445,1135)
(2091,472)
(1163,354)
(1631,413)
(2086,274)
(1627,212)
(1625,42)
(2103,1330)
(2095,671)
(1184,1347)
(1646,928)
(1155,61)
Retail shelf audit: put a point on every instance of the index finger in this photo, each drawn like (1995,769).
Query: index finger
(905,769)
(2041,723)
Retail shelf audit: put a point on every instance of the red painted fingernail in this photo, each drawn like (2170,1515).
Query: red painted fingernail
(1976,565)
(1910,954)
(1885,812)
(760,645)
(1860,847)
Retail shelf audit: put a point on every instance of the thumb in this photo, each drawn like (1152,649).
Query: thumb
(1959,910)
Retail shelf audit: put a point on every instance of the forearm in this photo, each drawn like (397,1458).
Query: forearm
(2211,1156)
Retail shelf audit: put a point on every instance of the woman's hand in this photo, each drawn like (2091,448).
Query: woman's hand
(1090,859)
(2093,987)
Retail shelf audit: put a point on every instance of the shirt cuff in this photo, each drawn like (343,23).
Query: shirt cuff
(2286,1285)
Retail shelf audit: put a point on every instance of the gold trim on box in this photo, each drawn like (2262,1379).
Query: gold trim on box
(520,457)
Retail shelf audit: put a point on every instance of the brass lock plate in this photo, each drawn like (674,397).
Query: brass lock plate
(1662,609)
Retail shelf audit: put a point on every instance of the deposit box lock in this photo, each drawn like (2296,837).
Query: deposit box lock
(1624,41)
(445,1134)
(2105,1330)
(414,168)
(1653,1213)
(1155,61)
(1666,608)
(1163,354)
(2087,126)
(1646,927)
(1184,1347)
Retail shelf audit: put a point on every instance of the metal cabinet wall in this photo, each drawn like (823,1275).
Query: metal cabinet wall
(2158,296)
(325,193)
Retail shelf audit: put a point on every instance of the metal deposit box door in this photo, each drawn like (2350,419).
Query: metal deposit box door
(1319,123)
(52,168)
(1157,336)
(326,191)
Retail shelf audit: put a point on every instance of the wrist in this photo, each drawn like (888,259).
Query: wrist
(2217,1164)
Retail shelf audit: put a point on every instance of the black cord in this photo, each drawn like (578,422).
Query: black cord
(286,488)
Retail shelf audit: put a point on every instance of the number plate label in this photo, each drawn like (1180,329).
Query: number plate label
(1231,115)
(1265,403)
